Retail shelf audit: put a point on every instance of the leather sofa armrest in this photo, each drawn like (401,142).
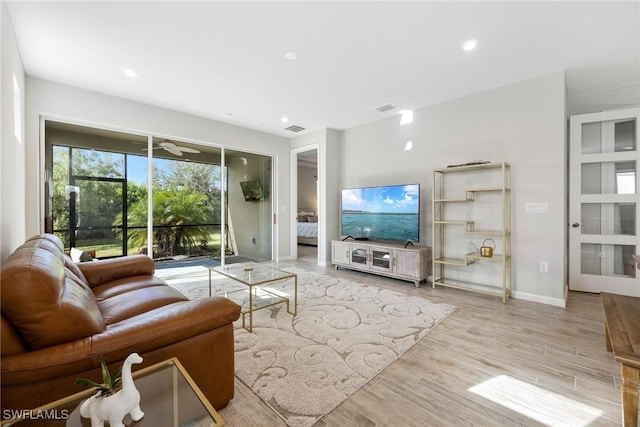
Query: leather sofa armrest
(47,363)
(144,333)
(105,270)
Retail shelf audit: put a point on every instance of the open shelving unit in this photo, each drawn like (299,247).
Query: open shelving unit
(472,201)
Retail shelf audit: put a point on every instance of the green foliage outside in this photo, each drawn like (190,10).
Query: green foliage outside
(97,202)
(179,218)
(186,197)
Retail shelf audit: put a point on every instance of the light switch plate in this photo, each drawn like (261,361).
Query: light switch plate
(536,207)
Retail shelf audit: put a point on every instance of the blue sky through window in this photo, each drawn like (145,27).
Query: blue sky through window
(137,167)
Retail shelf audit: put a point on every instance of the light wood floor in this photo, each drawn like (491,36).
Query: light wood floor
(550,362)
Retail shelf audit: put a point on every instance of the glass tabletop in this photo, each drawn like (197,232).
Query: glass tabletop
(168,397)
(251,273)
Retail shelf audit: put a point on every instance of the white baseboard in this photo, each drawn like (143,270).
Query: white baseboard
(557,302)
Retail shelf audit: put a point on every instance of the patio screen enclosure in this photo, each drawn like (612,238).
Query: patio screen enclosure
(98,196)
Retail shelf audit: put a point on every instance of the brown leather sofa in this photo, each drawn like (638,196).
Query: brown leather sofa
(58,317)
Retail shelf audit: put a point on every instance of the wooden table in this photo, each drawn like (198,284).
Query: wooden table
(622,321)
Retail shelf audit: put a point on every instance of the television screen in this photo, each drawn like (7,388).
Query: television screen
(389,212)
(252,190)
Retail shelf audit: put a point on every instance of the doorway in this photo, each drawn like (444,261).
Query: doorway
(603,210)
(307,211)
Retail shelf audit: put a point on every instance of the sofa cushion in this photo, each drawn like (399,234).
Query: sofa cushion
(127,284)
(107,270)
(56,296)
(72,267)
(129,304)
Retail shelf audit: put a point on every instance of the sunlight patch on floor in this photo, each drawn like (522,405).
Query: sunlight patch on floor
(173,272)
(536,403)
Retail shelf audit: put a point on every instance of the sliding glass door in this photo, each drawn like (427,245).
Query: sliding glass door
(186,194)
(205,201)
(249,204)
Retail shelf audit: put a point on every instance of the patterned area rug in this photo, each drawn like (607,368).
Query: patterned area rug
(345,333)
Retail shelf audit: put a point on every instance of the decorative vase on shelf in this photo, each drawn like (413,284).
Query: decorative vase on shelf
(109,403)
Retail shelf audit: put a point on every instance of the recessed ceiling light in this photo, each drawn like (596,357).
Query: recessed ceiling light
(228,114)
(284,119)
(291,56)
(408,146)
(469,45)
(129,72)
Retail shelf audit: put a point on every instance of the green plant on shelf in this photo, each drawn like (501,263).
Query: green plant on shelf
(110,383)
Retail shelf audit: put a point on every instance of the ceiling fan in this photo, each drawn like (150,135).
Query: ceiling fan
(173,148)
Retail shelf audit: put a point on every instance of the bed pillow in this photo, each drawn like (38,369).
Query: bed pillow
(302,218)
(312,219)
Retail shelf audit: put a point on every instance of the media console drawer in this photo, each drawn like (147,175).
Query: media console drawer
(412,263)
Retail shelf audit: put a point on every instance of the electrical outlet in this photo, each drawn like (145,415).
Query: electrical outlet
(544,266)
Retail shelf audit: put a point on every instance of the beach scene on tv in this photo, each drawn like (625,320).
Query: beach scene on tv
(385,213)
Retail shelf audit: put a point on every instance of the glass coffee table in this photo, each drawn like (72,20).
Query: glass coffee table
(257,296)
(168,397)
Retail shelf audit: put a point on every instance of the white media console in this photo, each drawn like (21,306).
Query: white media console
(412,263)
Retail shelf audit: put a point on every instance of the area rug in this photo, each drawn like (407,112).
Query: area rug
(344,334)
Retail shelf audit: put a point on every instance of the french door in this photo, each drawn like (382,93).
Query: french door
(603,207)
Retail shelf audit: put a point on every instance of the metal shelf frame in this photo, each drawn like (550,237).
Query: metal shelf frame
(442,226)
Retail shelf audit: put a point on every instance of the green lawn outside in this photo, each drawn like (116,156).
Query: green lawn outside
(111,247)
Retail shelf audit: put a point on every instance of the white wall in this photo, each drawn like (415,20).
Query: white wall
(51,100)
(308,187)
(12,146)
(522,124)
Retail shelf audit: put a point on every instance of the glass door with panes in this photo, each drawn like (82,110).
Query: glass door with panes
(603,213)
(206,201)
(89,200)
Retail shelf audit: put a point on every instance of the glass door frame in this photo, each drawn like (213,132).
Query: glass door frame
(73,227)
(46,173)
(604,282)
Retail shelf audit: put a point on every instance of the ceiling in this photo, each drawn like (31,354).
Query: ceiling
(226,60)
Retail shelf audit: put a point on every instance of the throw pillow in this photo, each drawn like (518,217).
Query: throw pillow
(78,255)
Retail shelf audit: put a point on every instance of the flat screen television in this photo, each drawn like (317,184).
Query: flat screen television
(251,190)
(390,212)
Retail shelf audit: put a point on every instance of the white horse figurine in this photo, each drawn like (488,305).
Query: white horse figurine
(113,408)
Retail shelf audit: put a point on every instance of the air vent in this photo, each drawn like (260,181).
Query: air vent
(295,128)
(385,107)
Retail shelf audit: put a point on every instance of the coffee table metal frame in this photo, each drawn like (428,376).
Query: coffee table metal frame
(255,276)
